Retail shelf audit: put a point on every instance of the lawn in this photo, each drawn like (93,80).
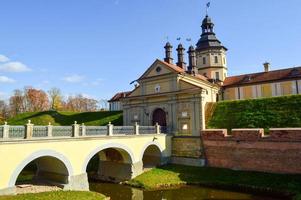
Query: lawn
(67,118)
(175,175)
(60,195)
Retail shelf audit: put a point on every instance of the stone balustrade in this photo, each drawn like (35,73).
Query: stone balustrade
(30,131)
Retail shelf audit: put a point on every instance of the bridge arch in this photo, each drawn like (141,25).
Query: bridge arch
(124,150)
(59,159)
(152,154)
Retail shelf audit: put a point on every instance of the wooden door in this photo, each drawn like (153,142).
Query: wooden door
(159,116)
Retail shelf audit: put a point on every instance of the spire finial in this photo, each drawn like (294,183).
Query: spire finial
(207,7)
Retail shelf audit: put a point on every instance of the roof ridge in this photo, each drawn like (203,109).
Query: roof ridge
(290,68)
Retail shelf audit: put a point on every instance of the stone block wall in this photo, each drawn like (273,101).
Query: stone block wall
(187,146)
(252,150)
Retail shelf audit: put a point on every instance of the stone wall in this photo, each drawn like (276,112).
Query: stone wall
(187,150)
(251,149)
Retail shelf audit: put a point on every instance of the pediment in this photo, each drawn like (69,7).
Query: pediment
(158,68)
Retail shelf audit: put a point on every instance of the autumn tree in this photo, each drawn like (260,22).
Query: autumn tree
(55,98)
(17,103)
(4,111)
(37,100)
(80,103)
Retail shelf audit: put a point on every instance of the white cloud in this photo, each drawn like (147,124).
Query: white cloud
(3,58)
(4,79)
(14,67)
(74,78)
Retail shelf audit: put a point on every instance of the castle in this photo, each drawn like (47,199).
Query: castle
(175,94)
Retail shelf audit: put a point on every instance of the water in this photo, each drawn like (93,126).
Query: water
(122,192)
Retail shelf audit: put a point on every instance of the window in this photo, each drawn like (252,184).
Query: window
(217,76)
(215,59)
(157,88)
(204,60)
(185,127)
(158,70)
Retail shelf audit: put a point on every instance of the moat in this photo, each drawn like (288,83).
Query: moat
(123,192)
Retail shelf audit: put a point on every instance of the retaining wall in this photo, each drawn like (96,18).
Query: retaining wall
(252,150)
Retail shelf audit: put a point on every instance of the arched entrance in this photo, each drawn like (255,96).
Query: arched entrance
(159,116)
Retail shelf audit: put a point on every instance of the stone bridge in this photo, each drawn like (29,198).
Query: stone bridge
(62,153)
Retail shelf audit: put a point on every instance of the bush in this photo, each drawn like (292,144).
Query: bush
(277,112)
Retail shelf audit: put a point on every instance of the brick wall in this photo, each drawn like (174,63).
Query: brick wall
(188,147)
(250,149)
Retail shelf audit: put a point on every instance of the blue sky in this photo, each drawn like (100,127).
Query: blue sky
(97,47)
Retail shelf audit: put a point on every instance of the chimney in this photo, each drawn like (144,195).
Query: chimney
(181,52)
(168,53)
(266,66)
(192,61)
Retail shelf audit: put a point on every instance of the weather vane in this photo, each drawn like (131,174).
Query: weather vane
(207,7)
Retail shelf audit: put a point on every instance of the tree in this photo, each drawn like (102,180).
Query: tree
(17,103)
(55,98)
(4,111)
(81,104)
(37,100)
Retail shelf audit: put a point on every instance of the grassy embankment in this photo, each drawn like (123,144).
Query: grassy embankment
(68,118)
(254,182)
(60,195)
(277,112)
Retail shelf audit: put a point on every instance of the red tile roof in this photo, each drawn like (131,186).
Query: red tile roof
(119,95)
(181,70)
(276,75)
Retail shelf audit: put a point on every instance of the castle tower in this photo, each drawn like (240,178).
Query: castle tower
(210,53)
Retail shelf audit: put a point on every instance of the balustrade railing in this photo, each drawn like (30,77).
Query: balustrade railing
(62,131)
(147,129)
(96,130)
(30,131)
(16,132)
(40,131)
(123,130)
(1,131)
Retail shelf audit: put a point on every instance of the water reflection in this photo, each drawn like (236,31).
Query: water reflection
(121,192)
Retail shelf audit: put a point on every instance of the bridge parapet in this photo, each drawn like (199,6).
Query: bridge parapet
(30,131)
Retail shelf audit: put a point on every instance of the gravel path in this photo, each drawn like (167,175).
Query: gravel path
(29,188)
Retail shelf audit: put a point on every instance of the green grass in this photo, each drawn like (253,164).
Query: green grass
(175,175)
(58,195)
(68,118)
(277,112)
